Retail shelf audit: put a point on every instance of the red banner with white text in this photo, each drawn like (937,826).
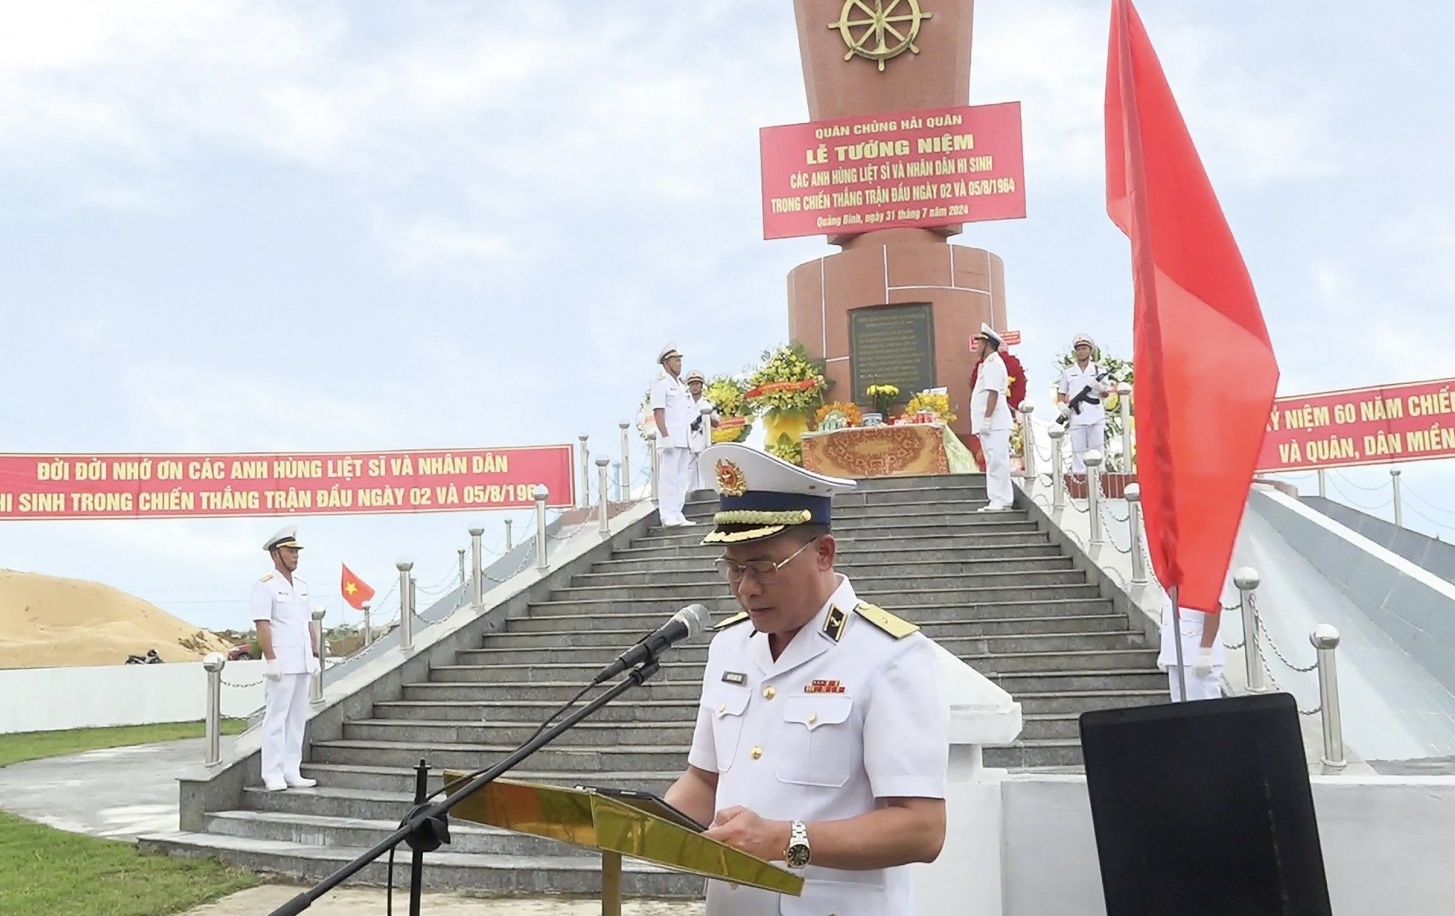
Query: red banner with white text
(1413,421)
(215,486)
(936,167)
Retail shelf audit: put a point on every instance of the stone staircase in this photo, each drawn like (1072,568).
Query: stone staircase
(992,588)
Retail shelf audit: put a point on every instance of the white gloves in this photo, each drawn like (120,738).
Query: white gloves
(1162,667)
(1204,665)
(274,670)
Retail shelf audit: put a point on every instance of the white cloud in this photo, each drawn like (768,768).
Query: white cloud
(1251,125)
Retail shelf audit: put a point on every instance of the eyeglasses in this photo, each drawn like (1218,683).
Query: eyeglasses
(765,571)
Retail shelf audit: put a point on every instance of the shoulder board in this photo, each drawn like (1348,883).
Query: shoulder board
(897,627)
(266,577)
(734,620)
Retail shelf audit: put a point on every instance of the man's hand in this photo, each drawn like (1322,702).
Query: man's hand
(743,829)
(274,670)
(1204,665)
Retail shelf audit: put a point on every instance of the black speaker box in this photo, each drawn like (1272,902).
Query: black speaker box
(1204,809)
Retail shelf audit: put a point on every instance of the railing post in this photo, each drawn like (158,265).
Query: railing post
(1124,408)
(1322,491)
(626,474)
(656,463)
(509,541)
(1028,444)
(1057,432)
(540,493)
(477,567)
(1325,639)
(461,552)
(585,473)
(406,633)
(1247,579)
(213,665)
(368,627)
(1398,503)
(1134,525)
(602,513)
(1093,494)
(315,687)
(620,486)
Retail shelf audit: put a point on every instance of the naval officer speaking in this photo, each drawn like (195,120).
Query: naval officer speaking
(822,736)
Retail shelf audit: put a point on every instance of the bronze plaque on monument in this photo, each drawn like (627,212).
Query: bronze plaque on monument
(892,345)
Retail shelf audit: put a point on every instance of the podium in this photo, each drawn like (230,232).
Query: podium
(618,827)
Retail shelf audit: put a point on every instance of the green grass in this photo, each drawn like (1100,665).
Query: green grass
(49,871)
(23,746)
(64,874)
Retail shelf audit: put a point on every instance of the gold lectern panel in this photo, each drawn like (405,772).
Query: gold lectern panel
(585,818)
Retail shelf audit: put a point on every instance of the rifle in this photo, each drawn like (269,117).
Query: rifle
(1084,396)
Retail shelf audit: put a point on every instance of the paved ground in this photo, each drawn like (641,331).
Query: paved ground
(119,793)
(345,902)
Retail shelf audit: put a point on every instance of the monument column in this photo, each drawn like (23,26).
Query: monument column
(896,304)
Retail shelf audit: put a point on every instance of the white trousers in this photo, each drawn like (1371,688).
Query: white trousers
(694,473)
(995,446)
(1199,687)
(284,719)
(673,464)
(1084,438)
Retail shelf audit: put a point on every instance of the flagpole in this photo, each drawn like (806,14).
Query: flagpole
(1177,641)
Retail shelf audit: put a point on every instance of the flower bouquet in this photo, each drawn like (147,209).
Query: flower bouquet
(838,415)
(788,387)
(726,393)
(883,397)
(929,407)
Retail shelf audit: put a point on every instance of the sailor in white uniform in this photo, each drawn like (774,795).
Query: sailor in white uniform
(990,420)
(1203,653)
(699,433)
(822,735)
(1088,419)
(671,413)
(285,634)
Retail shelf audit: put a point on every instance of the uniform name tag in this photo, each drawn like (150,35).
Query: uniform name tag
(734,677)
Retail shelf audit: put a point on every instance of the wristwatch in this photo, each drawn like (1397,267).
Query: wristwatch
(797,854)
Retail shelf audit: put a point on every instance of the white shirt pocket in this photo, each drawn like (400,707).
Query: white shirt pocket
(820,744)
(728,706)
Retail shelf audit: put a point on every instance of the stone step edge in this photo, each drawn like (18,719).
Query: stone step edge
(344,854)
(679,663)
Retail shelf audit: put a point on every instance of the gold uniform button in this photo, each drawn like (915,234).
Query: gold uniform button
(812,718)
(722,707)
(769,693)
(757,752)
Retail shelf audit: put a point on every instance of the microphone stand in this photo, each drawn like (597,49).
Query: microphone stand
(426,827)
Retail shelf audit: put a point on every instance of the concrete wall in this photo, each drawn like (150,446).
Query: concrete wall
(1415,607)
(50,699)
(1385,840)
(1426,552)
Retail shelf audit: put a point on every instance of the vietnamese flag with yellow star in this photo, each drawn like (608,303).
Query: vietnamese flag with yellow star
(354,590)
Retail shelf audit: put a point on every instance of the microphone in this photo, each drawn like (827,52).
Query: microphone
(684,624)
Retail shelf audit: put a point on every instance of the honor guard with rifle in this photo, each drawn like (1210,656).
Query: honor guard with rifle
(1079,397)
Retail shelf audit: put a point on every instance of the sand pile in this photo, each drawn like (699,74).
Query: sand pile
(48,622)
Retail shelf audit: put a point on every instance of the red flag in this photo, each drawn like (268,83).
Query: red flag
(1205,370)
(354,590)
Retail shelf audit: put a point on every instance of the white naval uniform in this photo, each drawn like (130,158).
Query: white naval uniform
(1088,427)
(1199,687)
(876,727)
(674,451)
(994,433)
(285,607)
(697,441)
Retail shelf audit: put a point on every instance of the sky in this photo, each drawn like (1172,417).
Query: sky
(353,226)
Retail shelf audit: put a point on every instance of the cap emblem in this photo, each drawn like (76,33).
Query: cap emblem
(730,479)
